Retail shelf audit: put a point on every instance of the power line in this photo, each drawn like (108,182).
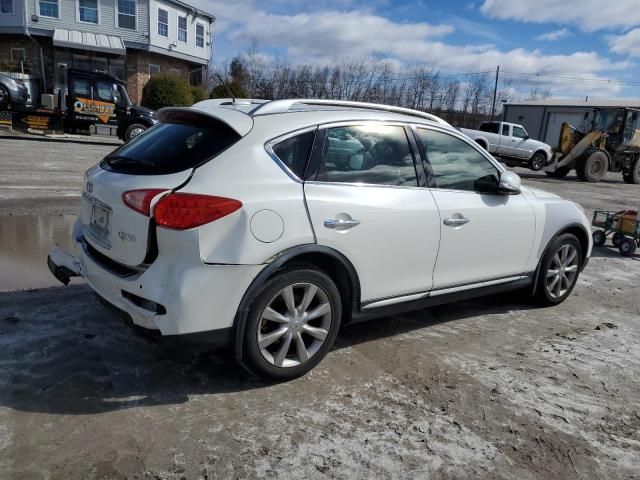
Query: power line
(572,78)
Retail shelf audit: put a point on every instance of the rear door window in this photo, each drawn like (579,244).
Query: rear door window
(368,154)
(171,147)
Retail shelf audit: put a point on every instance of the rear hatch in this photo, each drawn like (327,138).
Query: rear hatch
(119,193)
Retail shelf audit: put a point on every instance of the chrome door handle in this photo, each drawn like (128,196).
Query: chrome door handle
(340,224)
(455,221)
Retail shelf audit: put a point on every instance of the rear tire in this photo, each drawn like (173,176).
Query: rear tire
(593,168)
(633,175)
(559,173)
(537,161)
(627,247)
(559,270)
(599,238)
(292,324)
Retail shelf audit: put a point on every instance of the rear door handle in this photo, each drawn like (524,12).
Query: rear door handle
(455,221)
(340,224)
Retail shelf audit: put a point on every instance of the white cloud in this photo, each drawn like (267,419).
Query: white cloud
(336,33)
(321,36)
(588,15)
(627,44)
(554,35)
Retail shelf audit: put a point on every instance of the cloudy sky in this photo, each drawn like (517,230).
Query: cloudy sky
(584,39)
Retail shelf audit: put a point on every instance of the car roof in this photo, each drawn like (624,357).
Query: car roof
(292,114)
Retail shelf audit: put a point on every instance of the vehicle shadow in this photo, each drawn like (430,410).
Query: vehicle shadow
(62,352)
(609,251)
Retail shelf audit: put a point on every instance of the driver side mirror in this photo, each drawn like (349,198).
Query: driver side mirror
(510,184)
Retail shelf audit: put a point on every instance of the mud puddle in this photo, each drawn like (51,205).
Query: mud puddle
(24,244)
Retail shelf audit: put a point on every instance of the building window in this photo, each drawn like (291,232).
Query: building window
(163,23)
(154,70)
(195,77)
(17,55)
(176,72)
(88,11)
(199,35)
(49,8)
(182,29)
(127,14)
(6,6)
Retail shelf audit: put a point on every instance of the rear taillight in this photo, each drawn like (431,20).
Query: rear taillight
(140,200)
(181,211)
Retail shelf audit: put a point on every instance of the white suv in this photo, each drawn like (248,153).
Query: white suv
(265,226)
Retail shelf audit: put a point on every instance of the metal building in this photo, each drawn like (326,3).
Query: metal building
(543,118)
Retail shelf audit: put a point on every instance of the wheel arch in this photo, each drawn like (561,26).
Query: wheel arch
(576,229)
(327,259)
(546,154)
(482,142)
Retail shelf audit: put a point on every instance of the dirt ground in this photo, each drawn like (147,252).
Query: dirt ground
(492,388)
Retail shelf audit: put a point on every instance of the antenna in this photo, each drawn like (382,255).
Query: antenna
(226,87)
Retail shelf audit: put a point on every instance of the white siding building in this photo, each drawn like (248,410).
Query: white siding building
(130,39)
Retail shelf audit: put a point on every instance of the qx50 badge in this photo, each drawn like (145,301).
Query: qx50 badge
(126,237)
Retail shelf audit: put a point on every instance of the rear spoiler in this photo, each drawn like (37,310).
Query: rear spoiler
(240,122)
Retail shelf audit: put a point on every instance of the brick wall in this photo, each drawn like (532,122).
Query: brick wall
(32,56)
(138,70)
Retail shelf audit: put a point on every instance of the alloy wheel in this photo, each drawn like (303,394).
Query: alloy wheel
(562,271)
(136,131)
(294,325)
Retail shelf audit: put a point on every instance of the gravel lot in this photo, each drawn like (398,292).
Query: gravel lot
(491,388)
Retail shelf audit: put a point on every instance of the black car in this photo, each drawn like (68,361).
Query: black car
(12,91)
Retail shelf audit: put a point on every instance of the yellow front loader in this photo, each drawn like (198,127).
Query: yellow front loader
(613,145)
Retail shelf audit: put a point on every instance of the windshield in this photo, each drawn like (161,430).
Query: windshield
(170,148)
(608,121)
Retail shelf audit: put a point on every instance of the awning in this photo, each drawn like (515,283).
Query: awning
(98,42)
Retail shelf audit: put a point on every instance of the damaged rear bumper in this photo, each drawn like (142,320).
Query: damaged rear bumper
(63,265)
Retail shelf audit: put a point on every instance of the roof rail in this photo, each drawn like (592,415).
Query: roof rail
(231,101)
(283,106)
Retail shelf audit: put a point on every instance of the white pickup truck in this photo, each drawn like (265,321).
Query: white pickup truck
(511,142)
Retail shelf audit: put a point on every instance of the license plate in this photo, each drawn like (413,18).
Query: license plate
(100,221)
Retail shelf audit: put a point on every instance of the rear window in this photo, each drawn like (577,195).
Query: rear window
(171,148)
(490,127)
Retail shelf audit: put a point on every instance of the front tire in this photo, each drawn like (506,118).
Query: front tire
(593,168)
(4,97)
(616,239)
(537,161)
(559,270)
(292,324)
(133,131)
(599,238)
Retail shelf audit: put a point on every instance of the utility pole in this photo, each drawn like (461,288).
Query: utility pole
(495,93)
